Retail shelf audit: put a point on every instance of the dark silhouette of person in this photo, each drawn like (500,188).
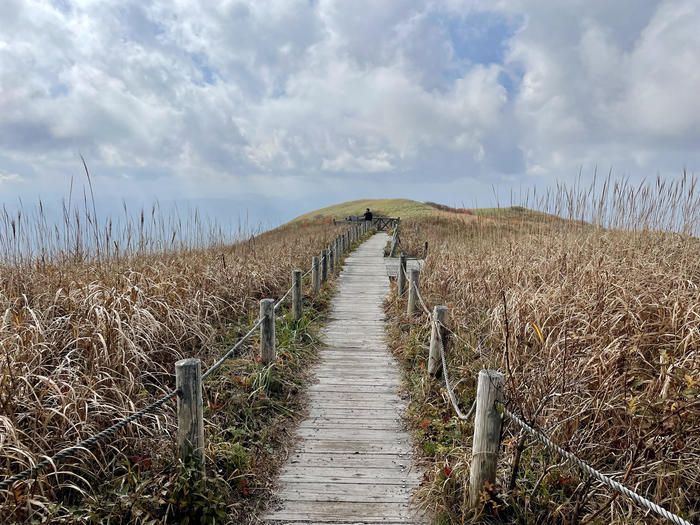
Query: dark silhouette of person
(368,215)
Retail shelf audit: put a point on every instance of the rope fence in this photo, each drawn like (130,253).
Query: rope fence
(352,235)
(492,405)
(609,482)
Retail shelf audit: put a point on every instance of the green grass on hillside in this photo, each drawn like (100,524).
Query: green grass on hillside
(404,208)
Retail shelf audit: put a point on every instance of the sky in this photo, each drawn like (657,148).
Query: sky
(271,108)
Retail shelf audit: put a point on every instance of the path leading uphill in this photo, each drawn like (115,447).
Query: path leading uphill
(353,462)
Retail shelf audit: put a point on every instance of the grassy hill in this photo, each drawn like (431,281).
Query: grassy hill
(404,208)
(410,209)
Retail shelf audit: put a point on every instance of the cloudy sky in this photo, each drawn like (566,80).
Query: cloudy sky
(282,106)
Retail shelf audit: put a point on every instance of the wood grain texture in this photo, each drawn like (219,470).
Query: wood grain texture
(353,462)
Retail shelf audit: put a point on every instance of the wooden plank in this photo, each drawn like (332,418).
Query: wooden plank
(311,459)
(344,512)
(353,462)
(362,483)
(360,435)
(357,472)
(353,447)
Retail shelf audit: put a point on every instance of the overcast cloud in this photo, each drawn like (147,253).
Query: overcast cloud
(285,106)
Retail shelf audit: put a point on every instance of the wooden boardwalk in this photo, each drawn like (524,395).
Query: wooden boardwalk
(353,463)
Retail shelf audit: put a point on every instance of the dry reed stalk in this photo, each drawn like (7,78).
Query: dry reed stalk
(88,340)
(604,337)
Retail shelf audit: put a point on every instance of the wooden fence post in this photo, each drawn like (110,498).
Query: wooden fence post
(413,275)
(401,275)
(324,266)
(331,259)
(338,251)
(434,359)
(394,240)
(267,331)
(297,304)
(487,433)
(190,423)
(315,275)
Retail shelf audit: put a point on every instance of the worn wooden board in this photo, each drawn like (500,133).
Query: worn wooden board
(353,462)
(344,512)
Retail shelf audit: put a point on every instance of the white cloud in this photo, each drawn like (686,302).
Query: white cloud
(345,162)
(9,177)
(213,98)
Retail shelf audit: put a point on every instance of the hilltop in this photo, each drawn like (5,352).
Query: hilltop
(404,208)
(410,209)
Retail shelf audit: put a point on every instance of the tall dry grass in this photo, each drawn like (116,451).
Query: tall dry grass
(90,334)
(601,351)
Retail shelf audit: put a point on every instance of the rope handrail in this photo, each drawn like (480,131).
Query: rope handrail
(422,302)
(235,347)
(279,303)
(606,480)
(568,456)
(448,387)
(87,443)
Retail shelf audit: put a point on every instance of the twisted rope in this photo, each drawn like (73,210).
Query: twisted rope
(86,443)
(611,483)
(279,303)
(568,456)
(422,302)
(235,347)
(450,393)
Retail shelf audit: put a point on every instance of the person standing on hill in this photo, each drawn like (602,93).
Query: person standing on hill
(368,215)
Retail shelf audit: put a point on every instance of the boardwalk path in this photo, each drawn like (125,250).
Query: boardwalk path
(353,462)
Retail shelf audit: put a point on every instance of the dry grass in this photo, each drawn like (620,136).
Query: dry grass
(89,337)
(602,352)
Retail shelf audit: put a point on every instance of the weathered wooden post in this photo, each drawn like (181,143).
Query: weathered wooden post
(315,275)
(401,275)
(487,433)
(338,251)
(190,423)
(324,266)
(413,275)
(297,304)
(394,240)
(267,331)
(331,259)
(436,338)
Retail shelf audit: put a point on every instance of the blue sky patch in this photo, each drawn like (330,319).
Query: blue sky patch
(511,78)
(202,62)
(481,37)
